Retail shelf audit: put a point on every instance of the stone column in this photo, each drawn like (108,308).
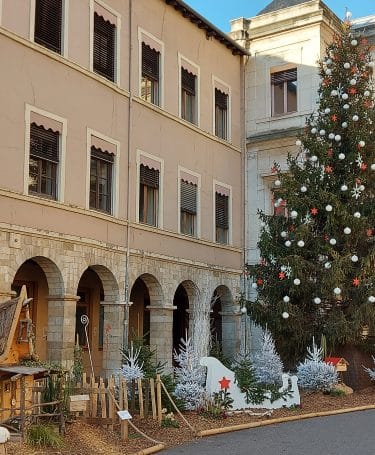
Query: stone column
(231,326)
(161,333)
(113,336)
(61,329)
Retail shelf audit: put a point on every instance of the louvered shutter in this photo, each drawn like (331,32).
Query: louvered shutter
(221,99)
(104,47)
(188,197)
(44,143)
(188,81)
(149,177)
(102,155)
(150,62)
(284,76)
(221,211)
(48,19)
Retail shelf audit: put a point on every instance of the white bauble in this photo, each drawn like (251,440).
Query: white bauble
(288,243)
(361,187)
(372,166)
(328,71)
(317,300)
(286,299)
(314,158)
(284,234)
(334,93)
(337,291)
(354,258)
(293,214)
(353,82)
(301,243)
(367,93)
(331,136)
(329,208)
(297,281)
(333,241)
(355,118)
(254,285)
(371,299)
(347,65)
(313,130)
(262,224)
(347,231)
(322,132)
(337,138)
(344,96)
(243,310)
(277,183)
(361,144)
(357,215)
(346,106)
(327,265)
(344,187)
(344,124)
(303,189)
(329,61)
(353,42)
(298,142)
(341,156)
(327,110)
(285,315)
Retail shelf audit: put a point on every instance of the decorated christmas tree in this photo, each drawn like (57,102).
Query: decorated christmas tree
(317,269)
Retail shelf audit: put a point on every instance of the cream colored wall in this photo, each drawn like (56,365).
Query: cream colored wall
(16,16)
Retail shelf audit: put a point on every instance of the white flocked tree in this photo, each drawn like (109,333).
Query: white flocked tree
(132,369)
(267,364)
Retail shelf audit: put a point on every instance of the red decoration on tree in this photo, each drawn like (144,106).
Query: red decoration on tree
(260,281)
(330,152)
(273,170)
(314,211)
(369,232)
(352,91)
(281,275)
(367,104)
(334,118)
(224,383)
(356,282)
(363,166)
(292,228)
(328,169)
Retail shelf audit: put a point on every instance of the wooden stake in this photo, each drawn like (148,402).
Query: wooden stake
(153,402)
(22,407)
(111,408)
(140,396)
(147,396)
(124,423)
(158,397)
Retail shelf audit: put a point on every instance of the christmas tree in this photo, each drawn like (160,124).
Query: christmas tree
(316,273)
(267,364)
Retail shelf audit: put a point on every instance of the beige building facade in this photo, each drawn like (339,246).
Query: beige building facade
(121,194)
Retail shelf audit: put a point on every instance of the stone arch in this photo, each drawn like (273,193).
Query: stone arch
(154,288)
(109,283)
(223,293)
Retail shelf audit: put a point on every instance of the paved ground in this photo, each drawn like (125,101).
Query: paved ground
(345,434)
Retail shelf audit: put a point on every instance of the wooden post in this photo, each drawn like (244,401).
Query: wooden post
(22,407)
(61,405)
(103,404)
(140,396)
(147,396)
(124,399)
(111,407)
(132,403)
(94,395)
(153,402)
(158,398)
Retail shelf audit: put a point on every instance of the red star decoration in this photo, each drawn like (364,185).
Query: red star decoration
(326,237)
(369,232)
(330,152)
(358,181)
(224,383)
(282,275)
(352,91)
(364,41)
(356,282)
(354,69)
(314,211)
(273,169)
(334,118)
(326,81)
(367,104)
(292,228)
(260,281)
(363,166)
(328,169)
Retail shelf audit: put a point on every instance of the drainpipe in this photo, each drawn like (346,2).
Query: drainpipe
(130,116)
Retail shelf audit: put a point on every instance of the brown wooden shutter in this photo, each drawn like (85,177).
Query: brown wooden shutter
(150,62)
(44,143)
(188,81)
(104,47)
(48,19)
(149,177)
(222,211)
(221,99)
(284,76)
(188,197)
(101,155)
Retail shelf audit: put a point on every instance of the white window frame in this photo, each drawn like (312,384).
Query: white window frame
(159,45)
(160,217)
(278,69)
(115,13)
(64,26)
(182,169)
(216,183)
(115,170)
(62,150)
(224,87)
(196,72)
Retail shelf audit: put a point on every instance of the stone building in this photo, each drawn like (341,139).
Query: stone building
(121,145)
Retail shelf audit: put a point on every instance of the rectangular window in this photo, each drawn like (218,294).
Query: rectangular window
(188,98)
(48,24)
(222,218)
(101,168)
(104,47)
(148,195)
(284,92)
(150,74)
(221,114)
(43,162)
(188,212)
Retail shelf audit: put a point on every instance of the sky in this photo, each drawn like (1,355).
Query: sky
(220,12)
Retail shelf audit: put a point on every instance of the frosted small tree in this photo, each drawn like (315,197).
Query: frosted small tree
(189,376)
(132,369)
(267,364)
(314,374)
(371,372)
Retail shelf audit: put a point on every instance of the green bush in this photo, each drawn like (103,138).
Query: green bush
(42,435)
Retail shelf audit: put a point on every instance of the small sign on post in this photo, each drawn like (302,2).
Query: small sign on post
(124,415)
(78,403)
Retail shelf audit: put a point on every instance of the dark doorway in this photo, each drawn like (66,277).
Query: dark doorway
(180,316)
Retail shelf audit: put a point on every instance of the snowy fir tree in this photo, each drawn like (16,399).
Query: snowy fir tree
(267,364)
(316,273)
(314,374)
(189,376)
(132,369)
(371,371)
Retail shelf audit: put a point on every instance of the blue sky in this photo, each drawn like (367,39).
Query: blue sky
(220,12)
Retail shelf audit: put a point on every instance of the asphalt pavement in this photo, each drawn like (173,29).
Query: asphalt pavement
(345,434)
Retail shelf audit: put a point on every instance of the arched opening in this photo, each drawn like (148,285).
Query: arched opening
(216,321)
(139,314)
(224,322)
(180,315)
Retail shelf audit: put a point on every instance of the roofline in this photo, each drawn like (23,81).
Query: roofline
(210,29)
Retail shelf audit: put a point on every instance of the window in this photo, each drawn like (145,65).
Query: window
(43,162)
(148,195)
(284,91)
(188,211)
(222,218)
(221,114)
(150,74)
(101,166)
(188,99)
(48,20)
(104,47)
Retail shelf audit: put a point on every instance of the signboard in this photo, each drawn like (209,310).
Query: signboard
(124,415)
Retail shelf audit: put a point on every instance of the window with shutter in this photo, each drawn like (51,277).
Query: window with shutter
(48,24)
(221,114)
(222,218)
(188,203)
(104,47)
(284,91)
(148,195)
(150,74)
(101,170)
(43,162)
(188,98)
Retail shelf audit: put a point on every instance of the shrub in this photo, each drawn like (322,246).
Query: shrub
(42,435)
